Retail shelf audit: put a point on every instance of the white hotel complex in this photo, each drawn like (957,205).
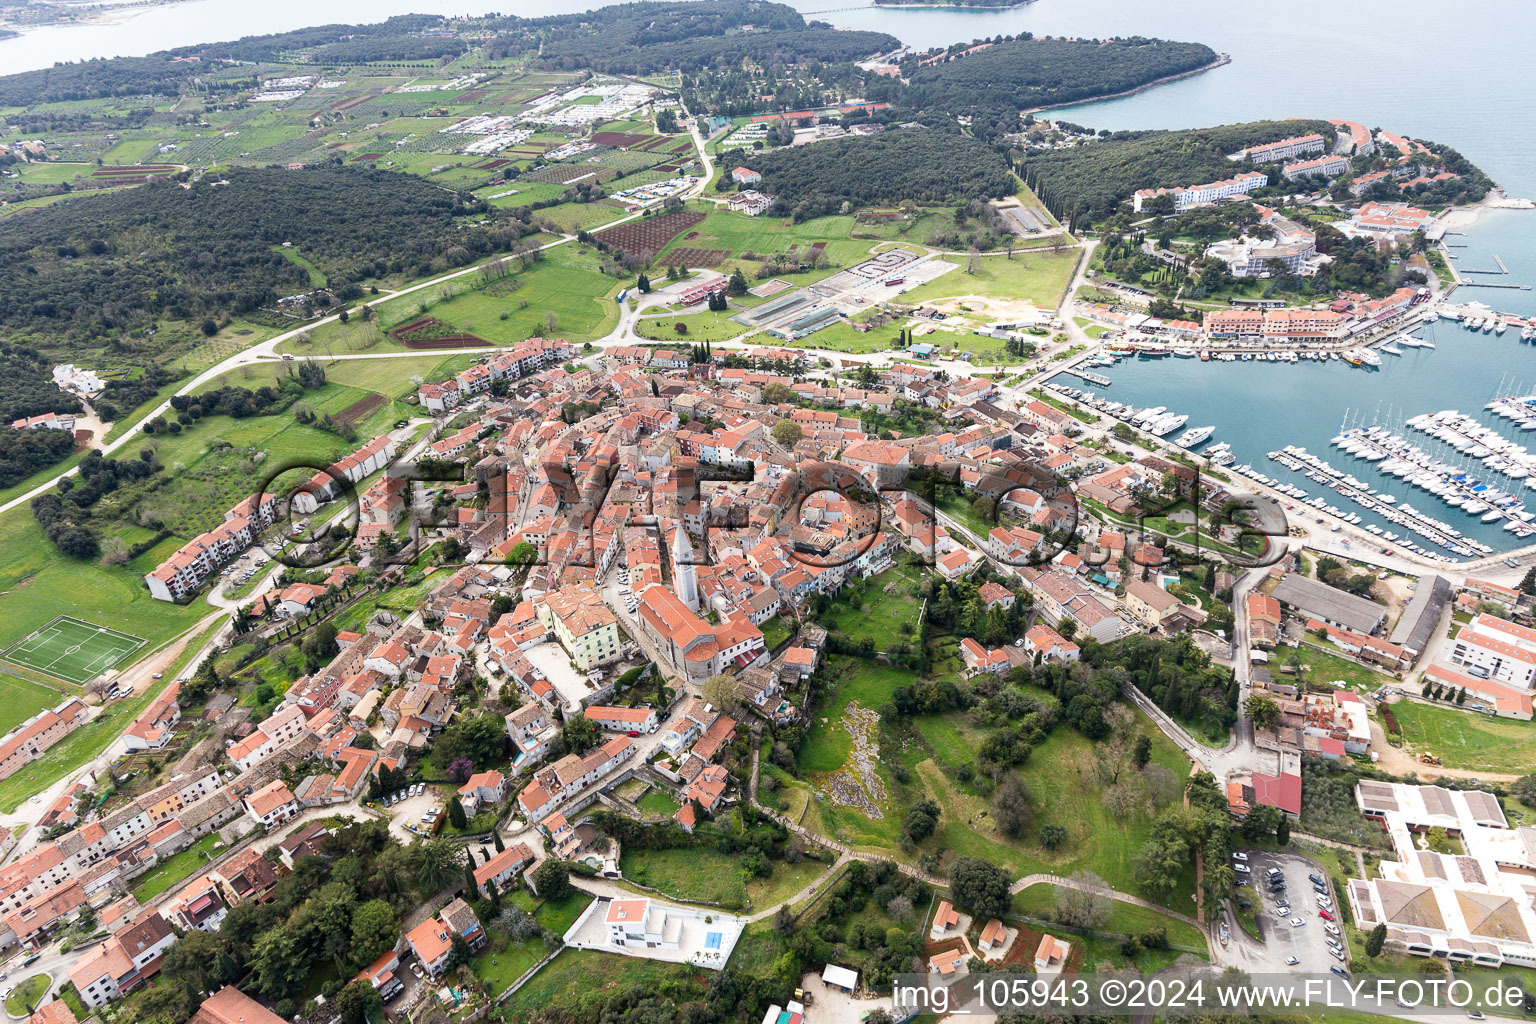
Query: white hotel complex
(1202,195)
(1469,907)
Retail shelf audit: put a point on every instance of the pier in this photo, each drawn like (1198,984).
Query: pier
(1091,378)
(1502,268)
(1491,284)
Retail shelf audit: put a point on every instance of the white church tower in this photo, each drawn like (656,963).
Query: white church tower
(685,581)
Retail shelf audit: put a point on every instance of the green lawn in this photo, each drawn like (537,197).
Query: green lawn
(25,996)
(767,236)
(879,615)
(37,584)
(658,803)
(20,699)
(775,632)
(705,326)
(579,979)
(1327,669)
(173,869)
(827,744)
(563,283)
(90,739)
(1061,776)
(1039,278)
(700,874)
(1468,739)
(1124,918)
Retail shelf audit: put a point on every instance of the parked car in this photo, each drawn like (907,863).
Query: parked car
(1341,972)
(632,734)
(1333,929)
(1317,879)
(1241,856)
(1241,869)
(1326,915)
(1291,961)
(1297,922)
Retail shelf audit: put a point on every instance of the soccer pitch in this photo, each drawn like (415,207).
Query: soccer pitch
(73,650)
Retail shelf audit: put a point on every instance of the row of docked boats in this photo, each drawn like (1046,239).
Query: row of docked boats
(1396,456)
(1155,420)
(1471,438)
(1387,506)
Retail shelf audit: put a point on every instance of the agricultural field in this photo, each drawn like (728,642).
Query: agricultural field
(513,309)
(769,236)
(647,236)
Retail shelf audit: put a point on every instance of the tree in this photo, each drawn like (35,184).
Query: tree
(644,284)
(1052,836)
(319,645)
(360,1002)
(921,820)
(1082,904)
(1141,754)
(1528,582)
(1375,940)
(980,886)
(1283,830)
(1010,806)
(737,284)
(435,864)
(719,691)
(1524,789)
(778,394)
(1263,710)
(374,931)
(553,880)
(456,816)
(496,839)
(580,734)
(787,433)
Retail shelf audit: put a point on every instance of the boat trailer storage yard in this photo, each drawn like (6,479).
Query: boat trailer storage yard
(795,314)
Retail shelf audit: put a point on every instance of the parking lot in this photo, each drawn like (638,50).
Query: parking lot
(409,811)
(1308,942)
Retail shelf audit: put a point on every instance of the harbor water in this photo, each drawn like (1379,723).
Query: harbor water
(1260,407)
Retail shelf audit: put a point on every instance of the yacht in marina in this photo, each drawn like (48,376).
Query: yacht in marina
(1195,437)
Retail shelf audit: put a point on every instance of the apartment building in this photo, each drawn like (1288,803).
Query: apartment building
(29,740)
(122,962)
(585,626)
(1489,647)
(201,557)
(1328,166)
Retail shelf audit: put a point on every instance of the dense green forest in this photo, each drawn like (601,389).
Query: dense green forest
(635,38)
(110,266)
(917,164)
(992,85)
(1095,178)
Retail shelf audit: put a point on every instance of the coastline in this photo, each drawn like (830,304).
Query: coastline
(1221,60)
(928,5)
(1462,217)
(106,14)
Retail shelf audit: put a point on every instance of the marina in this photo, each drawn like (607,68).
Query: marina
(1437,426)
